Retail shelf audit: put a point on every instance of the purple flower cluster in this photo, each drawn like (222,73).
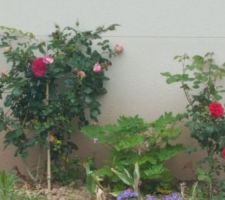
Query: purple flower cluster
(172,196)
(126,194)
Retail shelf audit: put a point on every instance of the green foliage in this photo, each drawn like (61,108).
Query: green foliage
(200,80)
(93,180)
(197,192)
(7,183)
(221,191)
(7,188)
(27,119)
(66,171)
(128,179)
(135,141)
(203,188)
(200,190)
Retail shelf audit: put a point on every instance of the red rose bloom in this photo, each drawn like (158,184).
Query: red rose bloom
(39,67)
(223,153)
(216,109)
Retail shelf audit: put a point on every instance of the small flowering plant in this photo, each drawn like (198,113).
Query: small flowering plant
(131,195)
(127,195)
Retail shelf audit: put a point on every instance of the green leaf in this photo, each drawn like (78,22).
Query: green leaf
(124,176)
(155,171)
(94,114)
(198,59)
(129,142)
(91,183)
(88,90)
(88,99)
(148,158)
(169,151)
(17,92)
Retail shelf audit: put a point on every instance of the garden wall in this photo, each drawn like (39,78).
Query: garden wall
(152,32)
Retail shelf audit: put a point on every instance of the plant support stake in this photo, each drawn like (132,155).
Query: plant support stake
(48,151)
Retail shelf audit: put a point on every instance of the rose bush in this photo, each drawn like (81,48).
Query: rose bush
(201,81)
(49,84)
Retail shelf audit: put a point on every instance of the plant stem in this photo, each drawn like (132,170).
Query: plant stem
(187,95)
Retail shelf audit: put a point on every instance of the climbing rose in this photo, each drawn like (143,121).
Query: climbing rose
(223,153)
(119,48)
(216,109)
(39,67)
(97,68)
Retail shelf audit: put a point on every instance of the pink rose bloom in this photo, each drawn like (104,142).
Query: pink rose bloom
(119,49)
(81,74)
(48,59)
(97,68)
(39,67)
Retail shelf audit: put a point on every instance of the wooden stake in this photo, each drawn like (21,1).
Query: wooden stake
(48,151)
(49,171)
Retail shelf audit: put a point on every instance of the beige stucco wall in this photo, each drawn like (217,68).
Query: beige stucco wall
(152,32)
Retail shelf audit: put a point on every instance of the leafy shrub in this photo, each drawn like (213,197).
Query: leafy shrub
(135,141)
(66,171)
(201,80)
(51,87)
